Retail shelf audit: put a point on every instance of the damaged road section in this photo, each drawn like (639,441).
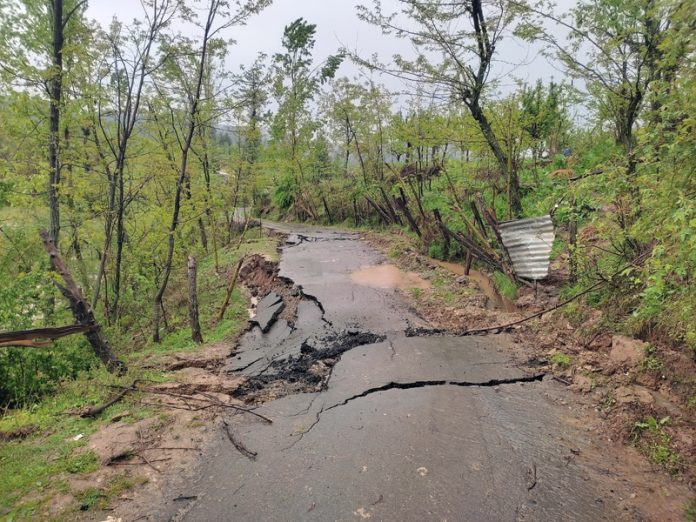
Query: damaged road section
(370,423)
(291,347)
(308,371)
(428,384)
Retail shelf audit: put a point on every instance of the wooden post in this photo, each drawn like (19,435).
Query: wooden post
(573,239)
(81,310)
(230,289)
(469,259)
(196,335)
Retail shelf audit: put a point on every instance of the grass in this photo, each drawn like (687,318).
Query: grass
(561,359)
(507,288)
(651,362)
(416,292)
(651,438)
(31,469)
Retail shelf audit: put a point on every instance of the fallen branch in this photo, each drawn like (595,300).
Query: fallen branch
(251,455)
(510,326)
(29,337)
(209,400)
(596,172)
(96,410)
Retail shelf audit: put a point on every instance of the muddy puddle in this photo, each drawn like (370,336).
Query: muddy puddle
(495,300)
(388,276)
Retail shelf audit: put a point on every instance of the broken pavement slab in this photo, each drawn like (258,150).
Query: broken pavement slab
(267,311)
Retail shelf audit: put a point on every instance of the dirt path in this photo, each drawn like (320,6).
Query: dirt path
(370,423)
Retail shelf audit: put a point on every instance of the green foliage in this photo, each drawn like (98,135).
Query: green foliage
(284,193)
(650,436)
(27,375)
(651,362)
(437,250)
(561,359)
(506,287)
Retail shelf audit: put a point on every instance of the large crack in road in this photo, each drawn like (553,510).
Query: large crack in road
(377,418)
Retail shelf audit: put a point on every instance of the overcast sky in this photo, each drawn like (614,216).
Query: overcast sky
(337,26)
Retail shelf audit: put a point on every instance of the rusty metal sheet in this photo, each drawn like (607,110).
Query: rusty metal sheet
(529,242)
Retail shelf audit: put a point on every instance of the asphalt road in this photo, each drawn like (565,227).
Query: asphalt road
(408,429)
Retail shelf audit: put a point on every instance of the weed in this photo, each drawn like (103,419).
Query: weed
(656,445)
(607,401)
(561,359)
(416,293)
(651,363)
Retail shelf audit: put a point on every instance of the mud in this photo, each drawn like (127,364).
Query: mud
(388,276)
(494,299)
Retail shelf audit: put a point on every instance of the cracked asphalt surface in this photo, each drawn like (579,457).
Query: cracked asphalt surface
(405,429)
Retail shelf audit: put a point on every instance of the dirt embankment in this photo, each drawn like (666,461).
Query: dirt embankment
(645,392)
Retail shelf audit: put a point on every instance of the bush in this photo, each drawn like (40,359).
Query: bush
(437,250)
(27,374)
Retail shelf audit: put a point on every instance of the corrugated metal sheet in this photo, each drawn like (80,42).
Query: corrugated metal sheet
(529,243)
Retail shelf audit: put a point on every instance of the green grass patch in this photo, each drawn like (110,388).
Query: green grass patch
(507,288)
(651,438)
(561,359)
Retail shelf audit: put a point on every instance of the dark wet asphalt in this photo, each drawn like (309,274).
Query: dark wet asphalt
(409,429)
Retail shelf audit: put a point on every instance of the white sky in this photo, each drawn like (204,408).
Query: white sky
(337,26)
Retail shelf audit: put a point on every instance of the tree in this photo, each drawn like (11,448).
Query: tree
(614,47)
(32,38)
(544,118)
(131,60)
(252,95)
(464,36)
(296,83)
(190,59)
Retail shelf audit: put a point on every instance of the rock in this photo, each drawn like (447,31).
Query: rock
(631,394)
(582,384)
(626,351)
(461,280)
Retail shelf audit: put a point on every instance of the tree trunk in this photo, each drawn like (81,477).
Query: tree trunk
(402,203)
(204,236)
(500,156)
(56,87)
(80,309)
(230,289)
(196,335)
(326,210)
(120,240)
